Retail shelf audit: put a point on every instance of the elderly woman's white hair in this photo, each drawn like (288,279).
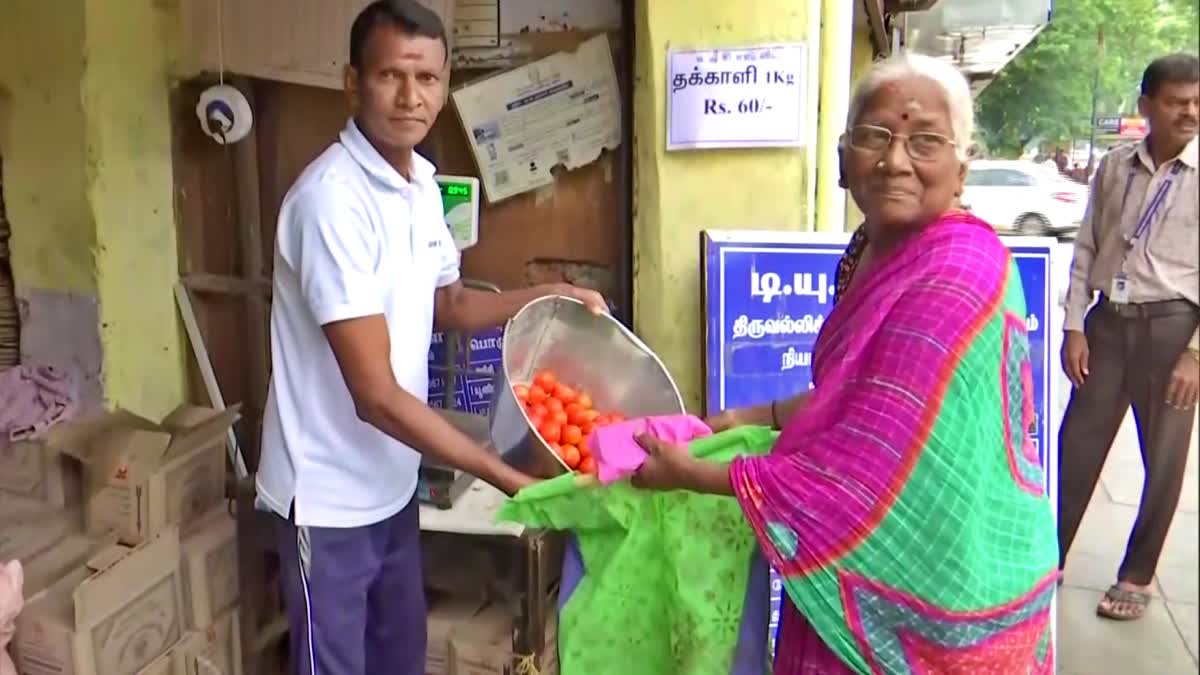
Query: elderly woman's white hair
(906,65)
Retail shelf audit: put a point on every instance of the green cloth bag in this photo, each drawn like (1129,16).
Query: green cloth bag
(665,572)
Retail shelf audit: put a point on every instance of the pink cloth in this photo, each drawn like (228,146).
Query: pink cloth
(11,583)
(616,450)
(33,399)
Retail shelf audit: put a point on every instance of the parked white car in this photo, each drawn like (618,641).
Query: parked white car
(1021,197)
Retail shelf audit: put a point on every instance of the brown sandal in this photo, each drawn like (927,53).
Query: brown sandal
(1116,596)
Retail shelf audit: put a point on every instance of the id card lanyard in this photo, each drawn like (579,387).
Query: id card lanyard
(1120,286)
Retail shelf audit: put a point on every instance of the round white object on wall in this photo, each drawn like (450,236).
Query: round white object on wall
(224,114)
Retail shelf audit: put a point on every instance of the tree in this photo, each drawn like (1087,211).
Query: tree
(1045,93)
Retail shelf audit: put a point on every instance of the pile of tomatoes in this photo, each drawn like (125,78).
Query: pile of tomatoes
(564,417)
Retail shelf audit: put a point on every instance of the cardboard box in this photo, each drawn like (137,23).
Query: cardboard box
(37,469)
(70,553)
(209,568)
(483,645)
(163,665)
(29,527)
(117,619)
(216,650)
(141,477)
(443,617)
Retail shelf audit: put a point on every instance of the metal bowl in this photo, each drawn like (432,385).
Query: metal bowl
(595,354)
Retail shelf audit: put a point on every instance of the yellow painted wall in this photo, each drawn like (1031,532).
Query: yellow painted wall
(131,192)
(85,137)
(42,143)
(680,194)
(863,57)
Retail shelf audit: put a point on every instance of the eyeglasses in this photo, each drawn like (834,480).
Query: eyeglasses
(921,146)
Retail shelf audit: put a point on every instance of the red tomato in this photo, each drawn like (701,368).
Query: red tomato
(538,410)
(559,418)
(537,394)
(546,380)
(601,421)
(564,393)
(570,455)
(554,405)
(585,446)
(584,401)
(572,409)
(550,432)
(587,465)
(615,418)
(556,448)
(521,392)
(587,418)
(572,434)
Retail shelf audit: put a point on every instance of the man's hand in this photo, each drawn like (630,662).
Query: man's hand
(362,348)
(1075,357)
(590,299)
(1184,388)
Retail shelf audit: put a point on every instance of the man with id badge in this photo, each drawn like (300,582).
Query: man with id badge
(1137,249)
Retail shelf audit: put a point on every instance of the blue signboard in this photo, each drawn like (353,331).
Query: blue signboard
(472,392)
(767,295)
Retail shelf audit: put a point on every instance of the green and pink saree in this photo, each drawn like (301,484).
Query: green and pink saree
(904,507)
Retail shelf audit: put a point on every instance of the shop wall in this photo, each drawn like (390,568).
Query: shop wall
(130,190)
(83,131)
(45,193)
(863,57)
(679,194)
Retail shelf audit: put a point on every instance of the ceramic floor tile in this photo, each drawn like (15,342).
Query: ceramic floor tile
(1088,644)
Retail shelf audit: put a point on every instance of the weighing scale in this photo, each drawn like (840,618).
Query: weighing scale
(460,203)
(437,484)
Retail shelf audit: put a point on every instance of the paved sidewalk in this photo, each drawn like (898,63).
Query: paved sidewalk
(1164,642)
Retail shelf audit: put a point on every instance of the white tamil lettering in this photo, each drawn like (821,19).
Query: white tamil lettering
(756,329)
(792,359)
(766,286)
(769,286)
(803,284)
(478,344)
(1032,323)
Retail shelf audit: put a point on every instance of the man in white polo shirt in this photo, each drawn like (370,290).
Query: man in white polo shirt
(364,267)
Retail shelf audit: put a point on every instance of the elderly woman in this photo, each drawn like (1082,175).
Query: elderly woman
(903,502)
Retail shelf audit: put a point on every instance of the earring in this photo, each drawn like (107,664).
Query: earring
(879,164)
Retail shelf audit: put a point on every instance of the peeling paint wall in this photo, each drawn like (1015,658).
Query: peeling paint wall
(45,193)
(42,139)
(84,130)
(131,192)
(679,194)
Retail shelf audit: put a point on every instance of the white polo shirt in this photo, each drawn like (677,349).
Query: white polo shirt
(354,239)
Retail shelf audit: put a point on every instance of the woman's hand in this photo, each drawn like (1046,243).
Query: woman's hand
(671,467)
(726,420)
(666,467)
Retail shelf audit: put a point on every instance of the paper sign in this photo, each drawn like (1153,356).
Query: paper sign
(562,110)
(736,98)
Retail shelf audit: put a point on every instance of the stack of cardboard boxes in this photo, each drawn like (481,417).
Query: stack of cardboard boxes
(473,637)
(129,550)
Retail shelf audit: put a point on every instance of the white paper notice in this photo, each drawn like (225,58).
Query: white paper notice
(752,97)
(562,110)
